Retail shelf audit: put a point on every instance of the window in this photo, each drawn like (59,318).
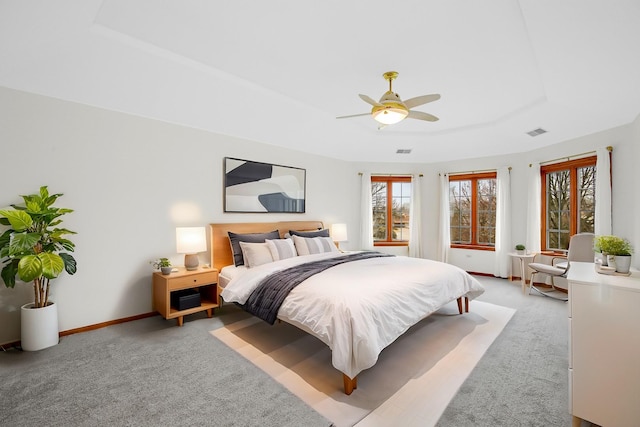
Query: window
(472,205)
(568,201)
(391,202)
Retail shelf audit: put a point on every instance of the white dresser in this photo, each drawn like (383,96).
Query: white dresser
(604,347)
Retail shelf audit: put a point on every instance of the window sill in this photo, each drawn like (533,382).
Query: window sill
(474,247)
(390,243)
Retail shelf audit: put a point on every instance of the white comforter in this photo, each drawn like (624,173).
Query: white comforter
(358,308)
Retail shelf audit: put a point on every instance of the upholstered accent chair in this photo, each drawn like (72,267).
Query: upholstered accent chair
(580,250)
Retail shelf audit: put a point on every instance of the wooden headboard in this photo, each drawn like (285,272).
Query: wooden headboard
(221,254)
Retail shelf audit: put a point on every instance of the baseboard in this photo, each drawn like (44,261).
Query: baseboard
(483,274)
(105,324)
(13,344)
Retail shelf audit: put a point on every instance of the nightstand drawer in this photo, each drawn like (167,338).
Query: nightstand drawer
(193,280)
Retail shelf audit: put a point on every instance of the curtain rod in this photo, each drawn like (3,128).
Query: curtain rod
(572,157)
(390,174)
(473,171)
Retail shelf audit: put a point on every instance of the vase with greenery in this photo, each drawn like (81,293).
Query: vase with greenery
(520,248)
(163,264)
(617,250)
(34,249)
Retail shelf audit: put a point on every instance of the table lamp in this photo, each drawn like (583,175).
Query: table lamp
(339,233)
(190,241)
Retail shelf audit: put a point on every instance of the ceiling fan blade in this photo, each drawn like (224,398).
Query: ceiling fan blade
(353,115)
(368,100)
(420,100)
(422,116)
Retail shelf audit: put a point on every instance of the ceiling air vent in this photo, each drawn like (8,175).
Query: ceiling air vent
(536,132)
(403,151)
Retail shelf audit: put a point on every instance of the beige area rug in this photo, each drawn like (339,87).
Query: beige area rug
(412,383)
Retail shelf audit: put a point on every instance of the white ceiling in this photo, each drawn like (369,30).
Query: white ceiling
(280,72)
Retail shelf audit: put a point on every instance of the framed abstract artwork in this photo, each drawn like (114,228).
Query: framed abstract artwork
(263,187)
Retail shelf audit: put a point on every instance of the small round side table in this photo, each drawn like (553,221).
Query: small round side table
(524,259)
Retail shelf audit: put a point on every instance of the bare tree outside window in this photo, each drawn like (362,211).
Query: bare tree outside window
(391,204)
(379,202)
(569,201)
(460,210)
(486,212)
(587,199)
(558,210)
(472,206)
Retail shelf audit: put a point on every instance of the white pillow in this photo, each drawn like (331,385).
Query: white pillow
(314,245)
(255,254)
(281,248)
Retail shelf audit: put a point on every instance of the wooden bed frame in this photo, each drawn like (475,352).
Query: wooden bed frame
(221,255)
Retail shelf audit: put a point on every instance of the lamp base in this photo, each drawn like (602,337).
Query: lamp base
(191,262)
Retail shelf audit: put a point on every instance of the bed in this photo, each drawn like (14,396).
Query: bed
(357,307)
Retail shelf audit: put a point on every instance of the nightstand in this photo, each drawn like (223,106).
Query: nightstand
(204,280)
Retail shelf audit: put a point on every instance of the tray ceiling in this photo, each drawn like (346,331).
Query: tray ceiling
(280,72)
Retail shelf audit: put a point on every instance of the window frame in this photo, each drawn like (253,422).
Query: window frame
(474,177)
(572,166)
(389,180)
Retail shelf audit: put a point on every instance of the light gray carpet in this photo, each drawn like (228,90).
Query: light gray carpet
(522,380)
(150,372)
(145,373)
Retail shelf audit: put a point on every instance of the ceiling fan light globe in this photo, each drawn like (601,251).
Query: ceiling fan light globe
(389,115)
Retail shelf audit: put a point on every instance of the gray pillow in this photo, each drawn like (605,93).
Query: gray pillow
(236,238)
(319,233)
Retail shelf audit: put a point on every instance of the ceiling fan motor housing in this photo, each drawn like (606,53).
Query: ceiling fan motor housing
(391,109)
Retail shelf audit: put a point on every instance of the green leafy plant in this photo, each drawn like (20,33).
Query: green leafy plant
(32,248)
(612,245)
(520,247)
(160,262)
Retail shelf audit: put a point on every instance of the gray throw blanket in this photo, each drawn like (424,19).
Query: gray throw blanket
(265,301)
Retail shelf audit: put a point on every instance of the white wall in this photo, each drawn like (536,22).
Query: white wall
(634,191)
(131,181)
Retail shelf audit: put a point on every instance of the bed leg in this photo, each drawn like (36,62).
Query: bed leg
(459,305)
(466,304)
(350,384)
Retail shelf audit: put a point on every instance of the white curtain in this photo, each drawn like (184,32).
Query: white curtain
(444,232)
(415,218)
(603,193)
(366,212)
(503,223)
(533,209)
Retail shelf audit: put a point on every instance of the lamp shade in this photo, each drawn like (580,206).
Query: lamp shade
(191,240)
(339,232)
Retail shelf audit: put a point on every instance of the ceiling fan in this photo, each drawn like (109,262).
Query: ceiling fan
(391,109)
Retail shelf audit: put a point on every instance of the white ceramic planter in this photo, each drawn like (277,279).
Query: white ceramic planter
(39,327)
(623,263)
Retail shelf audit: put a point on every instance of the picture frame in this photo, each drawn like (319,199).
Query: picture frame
(257,187)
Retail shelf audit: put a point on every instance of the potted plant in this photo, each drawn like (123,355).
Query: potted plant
(163,264)
(32,250)
(617,250)
(520,248)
